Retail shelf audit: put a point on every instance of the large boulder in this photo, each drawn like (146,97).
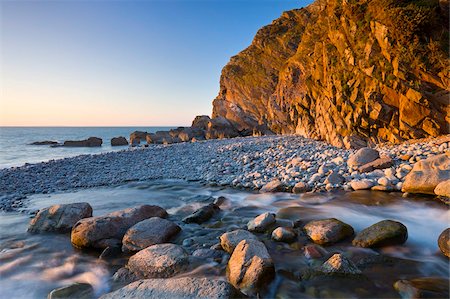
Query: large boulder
(220,127)
(250,266)
(328,231)
(59,218)
(427,174)
(176,288)
(90,142)
(444,242)
(230,240)
(161,137)
(443,189)
(363,156)
(137,136)
(148,232)
(108,230)
(119,141)
(380,163)
(201,122)
(158,261)
(187,134)
(261,223)
(383,233)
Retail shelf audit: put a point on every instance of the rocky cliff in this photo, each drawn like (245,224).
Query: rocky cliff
(344,71)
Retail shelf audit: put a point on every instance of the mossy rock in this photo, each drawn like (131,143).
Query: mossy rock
(383,233)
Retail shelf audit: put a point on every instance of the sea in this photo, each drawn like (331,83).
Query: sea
(15,148)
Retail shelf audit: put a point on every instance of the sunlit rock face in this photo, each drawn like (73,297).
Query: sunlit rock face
(377,70)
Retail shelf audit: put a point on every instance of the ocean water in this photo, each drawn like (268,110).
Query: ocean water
(15,148)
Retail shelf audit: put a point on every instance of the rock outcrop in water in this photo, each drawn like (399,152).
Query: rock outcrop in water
(345,72)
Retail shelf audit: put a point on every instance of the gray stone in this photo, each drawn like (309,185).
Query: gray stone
(261,222)
(380,163)
(74,291)
(339,264)
(203,214)
(59,218)
(361,184)
(363,156)
(119,141)
(284,234)
(148,232)
(176,288)
(230,240)
(90,142)
(334,178)
(426,287)
(206,253)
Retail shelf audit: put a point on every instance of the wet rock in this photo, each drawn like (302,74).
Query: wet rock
(250,266)
(383,233)
(300,187)
(339,264)
(361,184)
(158,261)
(203,214)
(230,240)
(119,141)
(148,232)
(334,178)
(273,186)
(380,163)
(443,189)
(261,222)
(124,275)
(220,200)
(45,142)
(328,231)
(74,291)
(427,174)
(314,251)
(284,234)
(444,242)
(176,288)
(59,218)
(110,252)
(426,287)
(205,253)
(363,156)
(90,142)
(107,230)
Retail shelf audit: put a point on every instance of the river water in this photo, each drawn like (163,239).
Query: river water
(32,265)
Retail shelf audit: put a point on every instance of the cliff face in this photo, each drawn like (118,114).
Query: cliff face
(344,71)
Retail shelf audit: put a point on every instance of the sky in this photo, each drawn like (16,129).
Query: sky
(120,63)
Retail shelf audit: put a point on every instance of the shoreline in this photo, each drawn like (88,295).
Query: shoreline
(243,162)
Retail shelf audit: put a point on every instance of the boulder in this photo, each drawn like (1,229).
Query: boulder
(45,142)
(443,189)
(148,232)
(74,291)
(328,231)
(339,264)
(211,254)
(119,141)
(273,186)
(230,240)
(90,142)
(380,163)
(250,267)
(334,178)
(137,136)
(201,122)
(261,223)
(444,242)
(383,233)
(59,218)
(314,251)
(220,127)
(108,230)
(203,214)
(426,287)
(187,134)
(176,288)
(361,184)
(284,234)
(300,187)
(158,261)
(427,174)
(363,156)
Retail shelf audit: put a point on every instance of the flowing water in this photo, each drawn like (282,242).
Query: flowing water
(32,265)
(15,148)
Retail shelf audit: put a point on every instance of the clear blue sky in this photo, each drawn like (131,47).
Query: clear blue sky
(121,62)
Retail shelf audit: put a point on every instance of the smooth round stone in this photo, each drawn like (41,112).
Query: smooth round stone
(284,234)
(328,231)
(383,233)
(230,240)
(444,242)
(74,291)
(261,222)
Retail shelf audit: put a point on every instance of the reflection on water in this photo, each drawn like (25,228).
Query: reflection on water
(33,265)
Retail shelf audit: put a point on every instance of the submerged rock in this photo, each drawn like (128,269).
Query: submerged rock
(427,174)
(74,291)
(206,253)
(203,214)
(444,242)
(338,263)
(90,142)
(230,240)
(176,288)
(148,232)
(328,231)
(158,261)
(45,142)
(108,230)
(426,287)
(261,222)
(284,234)
(363,156)
(59,218)
(250,266)
(383,233)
